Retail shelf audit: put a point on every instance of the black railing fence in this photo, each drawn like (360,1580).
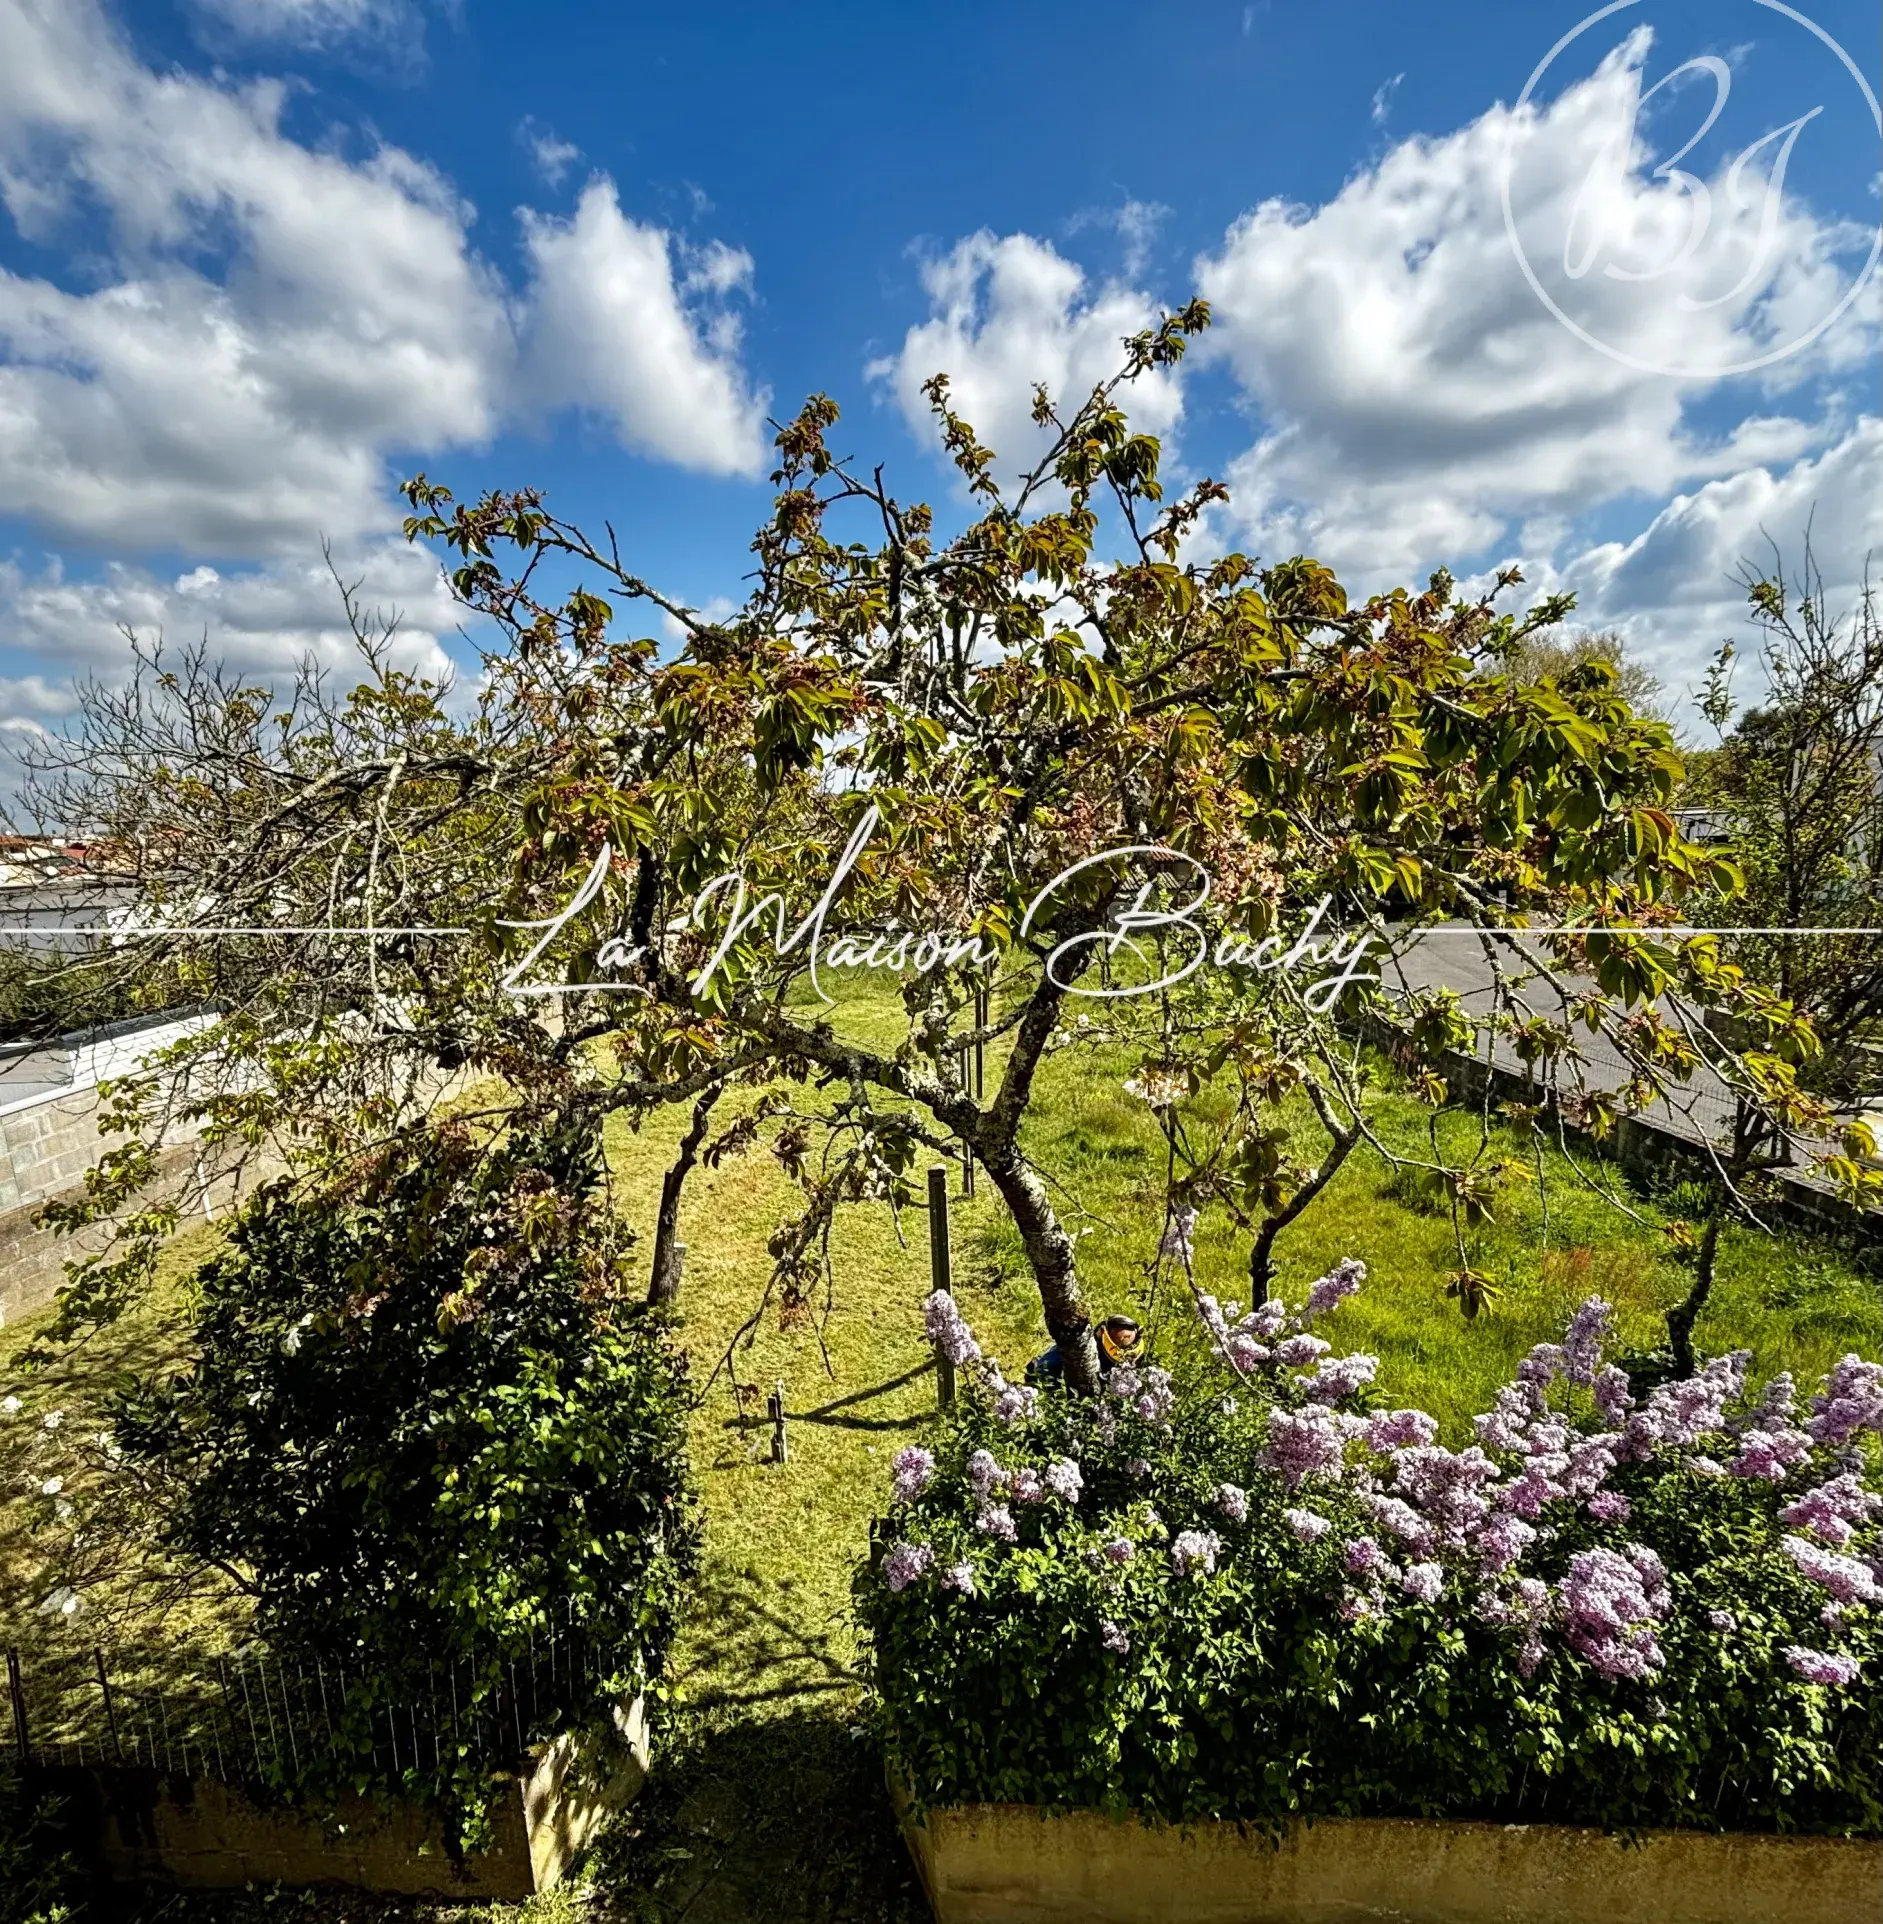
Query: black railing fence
(253,1716)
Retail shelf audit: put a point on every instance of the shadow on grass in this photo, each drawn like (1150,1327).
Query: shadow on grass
(781,1817)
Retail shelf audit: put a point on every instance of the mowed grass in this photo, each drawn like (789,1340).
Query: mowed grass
(766,1804)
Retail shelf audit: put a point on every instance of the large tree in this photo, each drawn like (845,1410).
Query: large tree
(962,728)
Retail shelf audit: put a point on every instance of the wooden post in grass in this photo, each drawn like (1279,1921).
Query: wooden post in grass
(667,1286)
(111,1709)
(940,1271)
(16,1695)
(967,1152)
(775,1406)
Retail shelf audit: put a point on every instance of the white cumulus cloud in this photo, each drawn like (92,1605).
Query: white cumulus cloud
(615,330)
(1009,312)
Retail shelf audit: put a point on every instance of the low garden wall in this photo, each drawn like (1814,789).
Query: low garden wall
(142,1825)
(1011,1864)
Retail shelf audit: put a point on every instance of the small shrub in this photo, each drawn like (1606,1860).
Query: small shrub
(1260,1596)
(426,1424)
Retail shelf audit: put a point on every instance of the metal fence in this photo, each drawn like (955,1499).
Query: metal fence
(252,1716)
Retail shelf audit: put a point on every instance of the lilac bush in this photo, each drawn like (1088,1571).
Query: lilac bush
(1688,1576)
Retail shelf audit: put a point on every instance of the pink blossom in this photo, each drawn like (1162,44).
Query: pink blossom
(1341,1377)
(1583,1340)
(1609,1506)
(1502,1541)
(1362,1554)
(1026,1486)
(1767,1455)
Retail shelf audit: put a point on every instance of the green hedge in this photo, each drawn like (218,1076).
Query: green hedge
(1256,1596)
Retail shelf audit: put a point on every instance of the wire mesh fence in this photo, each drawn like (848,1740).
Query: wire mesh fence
(253,1716)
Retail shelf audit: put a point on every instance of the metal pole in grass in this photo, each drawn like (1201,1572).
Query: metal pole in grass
(940,1272)
(775,1404)
(16,1696)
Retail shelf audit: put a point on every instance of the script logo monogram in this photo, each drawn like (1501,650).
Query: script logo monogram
(1695,237)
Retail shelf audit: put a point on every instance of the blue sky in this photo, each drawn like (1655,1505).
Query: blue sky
(260,258)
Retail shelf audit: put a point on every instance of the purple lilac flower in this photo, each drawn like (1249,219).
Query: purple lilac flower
(910,1470)
(1157,1399)
(1026,1486)
(984,1474)
(1851,1400)
(996,1520)
(1361,1554)
(1613,1395)
(1245,1353)
(1678,1414)
(1063,1479)
(947,1331)
(1583,1340)
(1233,1502)
(1210,1313)
(1195,1550)
(1304,1445)
(1723,1621)
(1015,1403)
(1339,1283)
(1425,1581)
(1341,1377)
(960,1577)
(1502,1541)
(1609,1506)
(1768,1455)
(1119,1550)
(1704,1466)
(1822,1666)
(904,1562)
(1844,1577)
(1395,1514)
(1444,1487)
(1354,1606)
(1399,1429)
(1137,1469)
(1610,1605)
(1777,1406)
(1309,1525)
(1833,1511)
(1114,1638)
(1297,1350)
(1177,1236)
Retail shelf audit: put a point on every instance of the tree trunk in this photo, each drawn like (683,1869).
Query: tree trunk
(1681,1319)
(663,1286)
(1055,1267)
(1261,1256)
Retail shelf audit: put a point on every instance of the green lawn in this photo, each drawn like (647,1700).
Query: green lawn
(768,1802)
